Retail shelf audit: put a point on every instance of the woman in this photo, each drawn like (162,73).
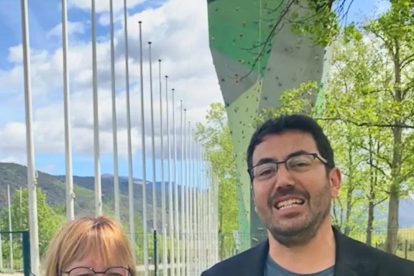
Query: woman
(87,247)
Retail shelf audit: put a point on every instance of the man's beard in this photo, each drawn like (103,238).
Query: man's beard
(303,234)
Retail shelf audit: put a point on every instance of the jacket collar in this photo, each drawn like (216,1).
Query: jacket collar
(352,258)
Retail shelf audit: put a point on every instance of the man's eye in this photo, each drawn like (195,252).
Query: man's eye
(267,171)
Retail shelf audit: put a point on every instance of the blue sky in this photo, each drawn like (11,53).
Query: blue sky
(181,40)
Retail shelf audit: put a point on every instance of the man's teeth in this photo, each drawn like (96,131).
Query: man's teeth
(289,203)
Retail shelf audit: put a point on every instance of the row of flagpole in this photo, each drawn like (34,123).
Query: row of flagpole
(192,235)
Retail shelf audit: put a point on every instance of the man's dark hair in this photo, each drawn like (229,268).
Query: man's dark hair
(287,123)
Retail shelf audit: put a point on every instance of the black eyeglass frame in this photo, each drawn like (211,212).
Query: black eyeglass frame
(98,272)
(314,155)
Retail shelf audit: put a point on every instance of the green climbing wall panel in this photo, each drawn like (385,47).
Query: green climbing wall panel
(238,30)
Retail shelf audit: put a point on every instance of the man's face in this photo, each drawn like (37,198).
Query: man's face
(293,204)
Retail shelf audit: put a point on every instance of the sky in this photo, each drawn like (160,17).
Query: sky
(178,30)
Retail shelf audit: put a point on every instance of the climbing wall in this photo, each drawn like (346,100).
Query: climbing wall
(254,69)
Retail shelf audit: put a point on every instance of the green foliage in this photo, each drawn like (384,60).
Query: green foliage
(215,135)
(320,22)
(368,115)
(48,221)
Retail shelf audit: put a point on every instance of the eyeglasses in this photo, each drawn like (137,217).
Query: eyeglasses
(87,271)
(294,164)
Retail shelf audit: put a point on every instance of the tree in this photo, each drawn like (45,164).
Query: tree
(216,138)
(48,221)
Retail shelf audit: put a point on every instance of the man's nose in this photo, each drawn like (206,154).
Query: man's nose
(283,178)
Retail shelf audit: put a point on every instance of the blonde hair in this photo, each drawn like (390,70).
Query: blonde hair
(100,237)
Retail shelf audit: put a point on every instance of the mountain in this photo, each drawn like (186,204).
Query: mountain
(54,189)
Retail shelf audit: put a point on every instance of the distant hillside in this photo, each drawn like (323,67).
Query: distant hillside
(54,189)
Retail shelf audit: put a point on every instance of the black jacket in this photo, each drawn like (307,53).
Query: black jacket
(352,259)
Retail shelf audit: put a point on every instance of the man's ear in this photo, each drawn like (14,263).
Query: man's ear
(335,179)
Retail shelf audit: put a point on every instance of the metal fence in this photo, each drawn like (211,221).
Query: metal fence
(15,252)
(228,245)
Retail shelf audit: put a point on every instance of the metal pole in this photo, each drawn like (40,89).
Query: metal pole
(98,192)
(176,222)
(144,165)
(183,240)
(163,203)
(216,210)
(70,199)
(191,184)
(130,172)
(21,211)
(10,229)
(154,187)
(1,253)
(155,254)
(170,192)
(187,191)
(198,206)
(206,241)
(114,117)
(194,208)
(185,181)
(31,175)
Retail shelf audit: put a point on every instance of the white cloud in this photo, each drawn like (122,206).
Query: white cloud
(15,159)
(48,169)
(73,28)
(181,40)
(102,5)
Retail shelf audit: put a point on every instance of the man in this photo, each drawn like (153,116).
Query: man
(294,179)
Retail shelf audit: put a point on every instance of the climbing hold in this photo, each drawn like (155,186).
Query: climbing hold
(265,98)
(241,35)
(280,84)
(317,57)
(222,79)
(244,24)
(213,38)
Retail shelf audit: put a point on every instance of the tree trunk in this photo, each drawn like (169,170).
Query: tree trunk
(392,231)
(370,221)
(349,193)
(371,195)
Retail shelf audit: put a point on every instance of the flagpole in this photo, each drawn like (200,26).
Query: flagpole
(183,240)
(154,187)
(204,212)
(163,203)
(170,193)
(176,222)
(31,175)
(191,184)
(198,206)
(130,171)
(114,116)
(187,192)
(98,192)
(144,167)
(10,229)
(70,199)
(194,209)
